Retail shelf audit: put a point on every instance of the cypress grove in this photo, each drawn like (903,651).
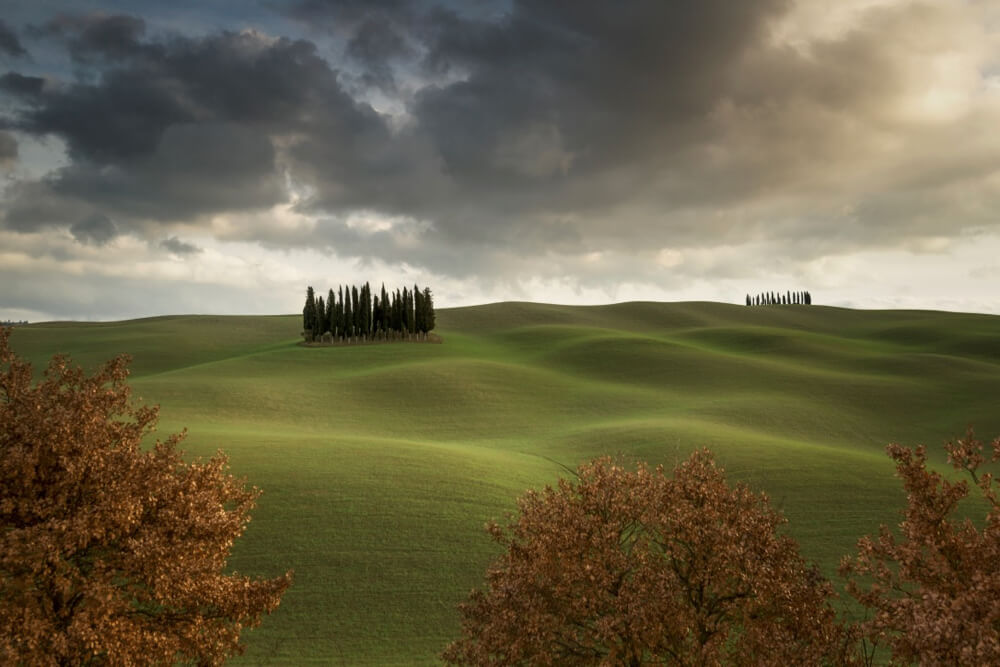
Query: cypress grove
(353,314)
(789,298)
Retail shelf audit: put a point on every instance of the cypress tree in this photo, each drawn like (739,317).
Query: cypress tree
(429,318)
(348,314)
(404,301)
(368,309)
(383,320)
(359,311)
(345,302)
(410,323)
(320,313)
(390,313)
(397,312)
(339,313)
(356,315)
(362,314)
(330,305)
(305,309)
(309,314)
(419,310)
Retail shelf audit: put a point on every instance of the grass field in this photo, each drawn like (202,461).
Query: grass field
(380,464)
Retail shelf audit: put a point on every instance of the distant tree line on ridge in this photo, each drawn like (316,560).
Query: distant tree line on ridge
(12,323)
(354,314)
(778,299)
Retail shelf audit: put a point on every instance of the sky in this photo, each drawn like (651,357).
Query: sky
(218,157)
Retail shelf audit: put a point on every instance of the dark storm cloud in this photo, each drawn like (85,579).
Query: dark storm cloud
(9,43)
(189,126)
(331,13)
(650,114)
(557,112)
(557,116)
(612,78)
(562,112)
(34,205)
(122,117)
(97,230)
(375,44)
(196,168)
(178,247)
(97,36)
(238,77)
(8,149)
(20,85)
(534,128)
(383,35)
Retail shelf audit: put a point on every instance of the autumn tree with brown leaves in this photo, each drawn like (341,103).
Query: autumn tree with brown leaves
(111,553)
(633,568)
(933,590)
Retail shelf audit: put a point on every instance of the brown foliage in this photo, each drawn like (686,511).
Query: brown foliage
(635,568)
(110,553)
(933,590)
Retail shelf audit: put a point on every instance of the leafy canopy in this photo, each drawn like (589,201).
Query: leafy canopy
(111,553)
(933,589)
(632,568)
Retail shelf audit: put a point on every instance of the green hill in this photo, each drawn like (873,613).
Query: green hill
(380,464)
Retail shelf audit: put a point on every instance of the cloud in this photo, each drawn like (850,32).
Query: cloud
(178,247)
(9,43)
(647,115)
(187,128)
(333,13)
(20,85)
(8,150)
(96,229)
(97,36)
(376,43)
(195,169)
(529,138)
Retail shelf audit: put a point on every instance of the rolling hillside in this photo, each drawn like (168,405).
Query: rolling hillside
(380,464)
